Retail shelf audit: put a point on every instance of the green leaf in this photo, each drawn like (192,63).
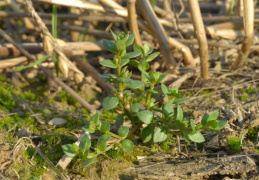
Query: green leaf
(67,151)
(143,66)
(130,40)
(164,89)
(110,46)
(95,120)
(131,55)
(221,124)
(135,84)
(110,103)
(84,154)
(39,61)
(179,115)
(74,148)
(146,49)
(209,117)
(86,128)
(145,116)
(119,121)
(106,137)
(134,63)
(180,100)
(161,78)
(123,131)
(138,48)
(147,133)
(196,137)
(155,76)
(174,89)
(85,143)
(101,145)
(127,145)
(186,138)
(160,134)
(124,80)
(105,127)
(151,57)
(108,63)
(124,62)
(147,76)
(168,109)
(114,35)
(152,91)
(212,123)
(88,162)
(192,125)
(136,107)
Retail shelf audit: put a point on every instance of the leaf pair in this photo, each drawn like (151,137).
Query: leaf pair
(158,134)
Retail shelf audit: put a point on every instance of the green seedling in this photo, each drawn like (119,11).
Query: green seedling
(134,100)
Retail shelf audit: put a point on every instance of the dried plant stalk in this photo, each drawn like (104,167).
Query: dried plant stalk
(201,36)
(159,32)
(249,34)
(133,21)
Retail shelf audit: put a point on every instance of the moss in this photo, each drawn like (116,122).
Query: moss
(6,99)
(243,98)
(252,134)
(247,90)
(28,95)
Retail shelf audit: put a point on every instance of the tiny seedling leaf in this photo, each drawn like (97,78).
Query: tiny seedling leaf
(147,133)
(88,162)
(95,120)
(127,145)
(114,35)
(213,123)
(164,89)
(85,143)
(109,45)
(168,109)
(86,128)
(124,62)
(161,78)
(136,107)
(180,100)
(135,84)
(110,103)
(124,80)
(105,127)
(160,134)
(151,57)
(102,144)
(192,125)
(134,63)
(147,76)
(179,115)
(123,131)
(209,117)
(108,63)
(67,151)
(131,55)
(143,66)
(145,116)
(106,137)
(221,125)
(196,137)
(130,40)
(146,49)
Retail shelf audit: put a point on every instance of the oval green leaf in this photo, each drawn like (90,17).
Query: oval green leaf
(123,131)
(88,162)
(135,84)
(179,115)
(147,133)
(109,45)
(67,151)
(85,143)
(102,144)
(196,137)
(160,134)
(110,103)
(127,145)
(145,116)
(108,63)
(105,127)
(168,109)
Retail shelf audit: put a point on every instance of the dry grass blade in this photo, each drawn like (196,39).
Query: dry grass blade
(201,36)
(157,29)
(249,33)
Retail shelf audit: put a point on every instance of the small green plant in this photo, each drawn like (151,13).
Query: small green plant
(134,100)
